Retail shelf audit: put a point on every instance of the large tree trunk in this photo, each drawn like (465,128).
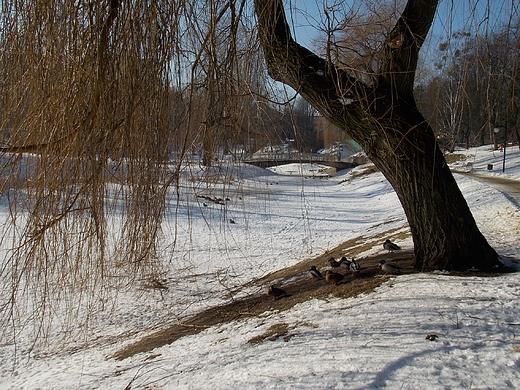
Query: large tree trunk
(383,118)
(444,231)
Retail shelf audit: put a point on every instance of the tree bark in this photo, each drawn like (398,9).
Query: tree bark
(383,118)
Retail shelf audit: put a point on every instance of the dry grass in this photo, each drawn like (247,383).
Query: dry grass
(369,168)
(298,285)
(452,158)
(273,333)
(300,288)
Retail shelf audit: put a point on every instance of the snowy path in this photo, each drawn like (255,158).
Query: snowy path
(509,187)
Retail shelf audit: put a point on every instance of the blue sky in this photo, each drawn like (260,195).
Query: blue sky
(308,20)
(478,16)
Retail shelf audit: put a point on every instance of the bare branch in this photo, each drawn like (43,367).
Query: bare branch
(402,45)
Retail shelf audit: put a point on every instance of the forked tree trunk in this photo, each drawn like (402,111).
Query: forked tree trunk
(383,118)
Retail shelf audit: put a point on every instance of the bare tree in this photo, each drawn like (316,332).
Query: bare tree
(382,116)
(474,89)
(100,104)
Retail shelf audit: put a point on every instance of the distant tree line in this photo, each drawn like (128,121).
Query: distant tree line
(474,88)
(470,86)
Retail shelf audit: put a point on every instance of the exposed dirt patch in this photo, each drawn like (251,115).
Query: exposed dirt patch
(300,288)
(351,249)
(273,333)
(452,158)
(365,170)
(295,281)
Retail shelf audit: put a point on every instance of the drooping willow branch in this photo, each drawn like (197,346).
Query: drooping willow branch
(101,65)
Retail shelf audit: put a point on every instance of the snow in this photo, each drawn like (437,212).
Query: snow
(346,101)
(284,216)
(477,161)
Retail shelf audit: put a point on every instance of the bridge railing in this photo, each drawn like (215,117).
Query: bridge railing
(292,156)
(298,156)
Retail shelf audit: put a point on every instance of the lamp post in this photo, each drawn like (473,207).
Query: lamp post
(496,130)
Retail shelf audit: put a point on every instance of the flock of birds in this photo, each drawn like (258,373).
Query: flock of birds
(351,267)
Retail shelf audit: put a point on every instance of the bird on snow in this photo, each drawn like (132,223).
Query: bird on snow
(389,268)
(354,267)
(333,263)
(333,277)
(390,246)
(276,293)
(315,274)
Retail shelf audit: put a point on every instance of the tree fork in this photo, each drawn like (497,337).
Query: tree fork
(385,121)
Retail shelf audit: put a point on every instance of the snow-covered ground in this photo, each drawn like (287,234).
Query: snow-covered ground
(273,219)
(477,161)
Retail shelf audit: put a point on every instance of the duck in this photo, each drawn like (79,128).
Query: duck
(276,293)
(333,277)
(315,274)
(333,263)
(354,267)
(390,246)
(345,264)
(389,268)
(155,283)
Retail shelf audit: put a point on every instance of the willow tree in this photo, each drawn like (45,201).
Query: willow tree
(381,114)
(95,99)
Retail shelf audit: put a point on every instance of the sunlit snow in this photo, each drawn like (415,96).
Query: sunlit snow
(281,217)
